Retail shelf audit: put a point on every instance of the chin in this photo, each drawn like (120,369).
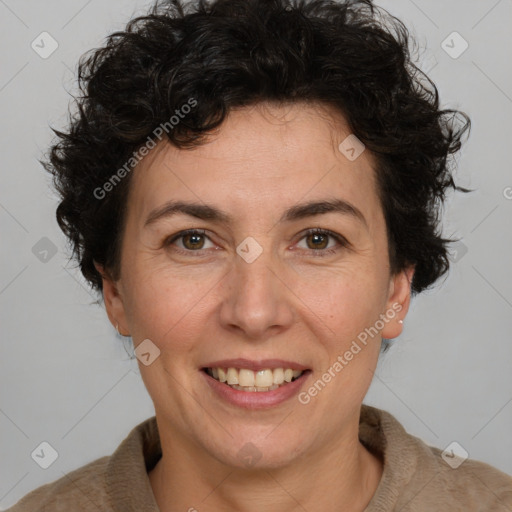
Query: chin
(252,454)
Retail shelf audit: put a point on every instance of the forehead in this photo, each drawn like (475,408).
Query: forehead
(263,155)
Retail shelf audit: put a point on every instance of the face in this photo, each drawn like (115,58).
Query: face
(253,289)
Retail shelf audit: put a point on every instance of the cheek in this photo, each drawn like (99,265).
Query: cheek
(167,308)
(341,298)
(350,309)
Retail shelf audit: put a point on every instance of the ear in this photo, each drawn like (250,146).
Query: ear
(399,298)
(113,301)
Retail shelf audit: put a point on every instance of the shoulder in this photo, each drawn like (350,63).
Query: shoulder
(418,477)
(442,480)
(115,482)
(79,490)
(474,484)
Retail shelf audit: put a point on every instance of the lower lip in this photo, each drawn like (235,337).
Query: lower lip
(256,399)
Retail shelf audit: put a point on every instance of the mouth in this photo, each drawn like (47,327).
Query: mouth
(262,380)
(254,384)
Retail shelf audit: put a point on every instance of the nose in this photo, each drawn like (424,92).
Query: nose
(257,300)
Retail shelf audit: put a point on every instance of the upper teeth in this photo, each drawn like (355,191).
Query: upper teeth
(261,378)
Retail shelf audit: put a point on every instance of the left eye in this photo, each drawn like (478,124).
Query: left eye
(319,239)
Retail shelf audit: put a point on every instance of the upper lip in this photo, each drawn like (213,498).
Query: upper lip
(255,366)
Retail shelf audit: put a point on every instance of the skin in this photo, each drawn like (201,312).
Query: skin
(288,304)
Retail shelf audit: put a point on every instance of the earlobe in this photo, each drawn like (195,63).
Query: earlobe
(113,300)
(398,302)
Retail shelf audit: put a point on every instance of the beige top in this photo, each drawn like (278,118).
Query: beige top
(415,476)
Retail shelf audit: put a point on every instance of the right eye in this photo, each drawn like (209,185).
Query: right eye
(191,240)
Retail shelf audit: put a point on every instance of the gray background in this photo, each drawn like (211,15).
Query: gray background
(67,378)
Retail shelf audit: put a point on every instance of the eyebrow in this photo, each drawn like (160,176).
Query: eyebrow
(297,212)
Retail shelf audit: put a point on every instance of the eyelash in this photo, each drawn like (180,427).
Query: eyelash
(312,231)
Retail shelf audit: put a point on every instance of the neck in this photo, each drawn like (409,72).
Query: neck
(187,479)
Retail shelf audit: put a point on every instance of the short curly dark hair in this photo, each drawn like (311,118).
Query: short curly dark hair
(349,55)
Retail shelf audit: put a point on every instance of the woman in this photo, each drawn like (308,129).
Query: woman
(254,188)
